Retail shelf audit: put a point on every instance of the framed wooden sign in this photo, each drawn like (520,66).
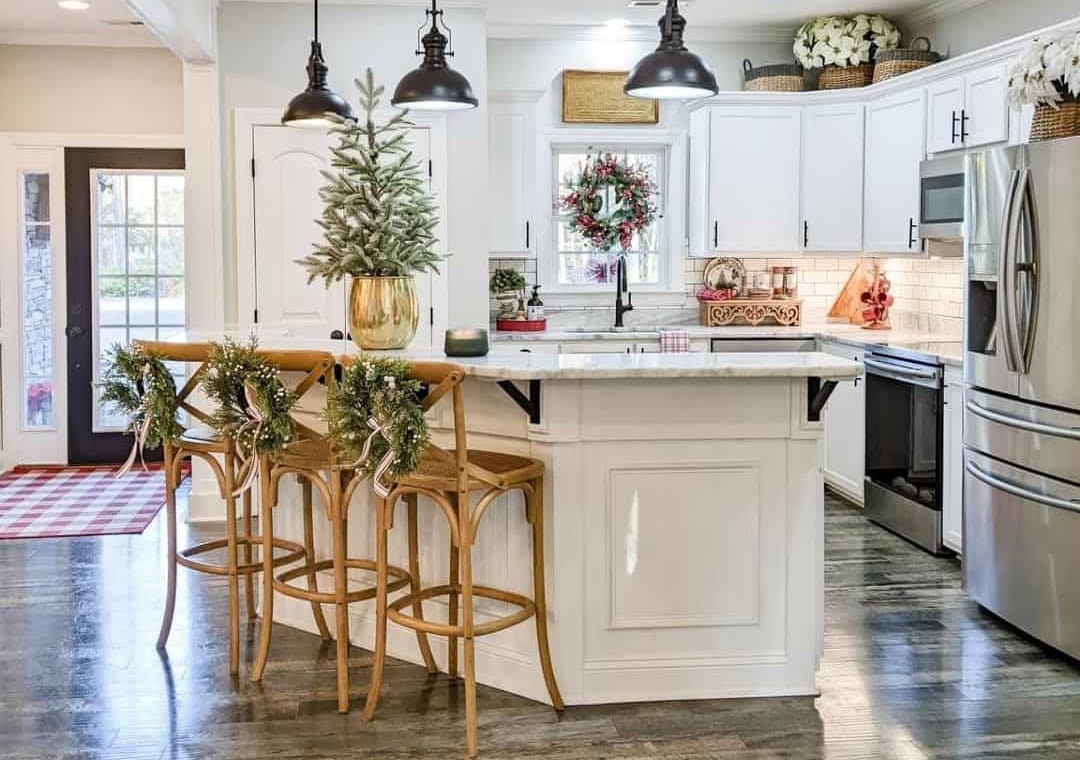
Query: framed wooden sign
(596,97)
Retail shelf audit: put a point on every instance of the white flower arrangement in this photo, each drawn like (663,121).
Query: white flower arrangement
(838,41)
(1047,71)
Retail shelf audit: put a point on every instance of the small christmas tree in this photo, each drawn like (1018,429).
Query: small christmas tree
(380,217)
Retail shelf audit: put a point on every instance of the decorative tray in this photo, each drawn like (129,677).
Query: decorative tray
(743,311)
(520,325)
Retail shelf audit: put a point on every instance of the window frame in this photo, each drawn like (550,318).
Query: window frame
(670,290)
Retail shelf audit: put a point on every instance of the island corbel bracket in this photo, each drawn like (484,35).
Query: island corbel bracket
(817,393)
(529,404)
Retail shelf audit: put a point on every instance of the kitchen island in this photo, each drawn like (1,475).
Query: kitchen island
(684,518)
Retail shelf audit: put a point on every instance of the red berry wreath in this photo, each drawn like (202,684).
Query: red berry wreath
(616,188)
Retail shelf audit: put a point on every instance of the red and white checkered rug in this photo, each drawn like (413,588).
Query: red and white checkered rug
(43,502)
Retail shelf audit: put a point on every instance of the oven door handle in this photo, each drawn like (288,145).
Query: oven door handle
(894,370)
(1073,505)
(1021,424)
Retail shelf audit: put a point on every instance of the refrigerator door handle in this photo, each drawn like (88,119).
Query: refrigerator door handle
(1004,301)
(1017,490)
(1024,324)
(1030,426)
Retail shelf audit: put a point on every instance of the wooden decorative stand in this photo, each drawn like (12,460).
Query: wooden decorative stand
(743,311)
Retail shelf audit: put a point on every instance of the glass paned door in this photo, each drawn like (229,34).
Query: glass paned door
(37,302)
(137,236)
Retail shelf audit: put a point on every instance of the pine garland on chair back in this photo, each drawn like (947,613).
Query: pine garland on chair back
(253,406)
(376,421)
(139,386)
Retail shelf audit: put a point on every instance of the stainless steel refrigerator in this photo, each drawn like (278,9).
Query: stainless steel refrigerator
(1022,405)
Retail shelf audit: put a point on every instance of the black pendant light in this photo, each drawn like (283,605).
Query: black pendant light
(434,86)
(314,106)
(671,72)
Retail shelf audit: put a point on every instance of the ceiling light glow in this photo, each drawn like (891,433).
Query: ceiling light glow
(73,5)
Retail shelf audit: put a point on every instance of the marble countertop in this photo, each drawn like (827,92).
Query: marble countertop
(945,348)
(536,366)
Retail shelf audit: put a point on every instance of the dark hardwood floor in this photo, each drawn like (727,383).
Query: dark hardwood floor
(912,670)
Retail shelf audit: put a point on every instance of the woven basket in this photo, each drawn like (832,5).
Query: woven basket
(781,77)
(1050,122)
(841,77)
(893,63)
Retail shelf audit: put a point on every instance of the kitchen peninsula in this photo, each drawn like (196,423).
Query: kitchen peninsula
(684,513)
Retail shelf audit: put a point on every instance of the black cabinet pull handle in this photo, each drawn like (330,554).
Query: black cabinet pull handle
(527,236)
(964,134)
(911,233)
(805,233)
(955,121)
(715,235)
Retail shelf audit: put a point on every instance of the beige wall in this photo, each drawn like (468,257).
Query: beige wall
(994,21)
(90,89)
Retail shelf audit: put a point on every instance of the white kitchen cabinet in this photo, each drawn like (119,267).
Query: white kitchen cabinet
(845,430)
(753,175)
(952,498)
(698,224)
(968,111)
(944,107)
(512,139)
(598,347)
(832,178)
(895,146)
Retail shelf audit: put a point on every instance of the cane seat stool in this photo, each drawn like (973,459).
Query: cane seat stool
(448,478)
(227,465)
(319,467)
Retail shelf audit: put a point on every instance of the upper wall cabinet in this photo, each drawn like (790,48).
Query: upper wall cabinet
(832,178)
(894,149)
(754,179)
(968,111)
(512,138)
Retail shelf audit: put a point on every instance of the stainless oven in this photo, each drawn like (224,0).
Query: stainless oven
(941,200)
(904,431)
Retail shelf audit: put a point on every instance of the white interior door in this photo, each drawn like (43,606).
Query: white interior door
(288,166)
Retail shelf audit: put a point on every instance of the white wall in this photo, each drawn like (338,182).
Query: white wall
(993,21)
(522,64)
(73,89)
(262,51)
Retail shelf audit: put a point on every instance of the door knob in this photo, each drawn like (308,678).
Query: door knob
(74,331)
(337,335)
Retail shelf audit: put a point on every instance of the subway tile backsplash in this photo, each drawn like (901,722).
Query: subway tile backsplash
(929,293)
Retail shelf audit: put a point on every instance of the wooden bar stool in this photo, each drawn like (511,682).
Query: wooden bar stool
(448,477)
(317,465)
(225,462)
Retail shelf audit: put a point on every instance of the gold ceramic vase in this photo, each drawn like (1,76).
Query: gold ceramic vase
(383,312)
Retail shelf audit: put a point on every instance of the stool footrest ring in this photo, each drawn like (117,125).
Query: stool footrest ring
(398,579)
(527,605)
(183,557)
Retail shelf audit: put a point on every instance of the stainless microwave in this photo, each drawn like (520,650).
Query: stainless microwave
(941,199)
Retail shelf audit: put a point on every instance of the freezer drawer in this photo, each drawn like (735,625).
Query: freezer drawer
(1037,437)
(1021,533)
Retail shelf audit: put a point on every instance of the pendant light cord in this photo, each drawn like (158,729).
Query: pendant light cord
(316,20)
(668,16)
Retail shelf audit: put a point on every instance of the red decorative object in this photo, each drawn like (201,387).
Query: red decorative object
(520,325)
(876,302)
(611,200)
(717,294)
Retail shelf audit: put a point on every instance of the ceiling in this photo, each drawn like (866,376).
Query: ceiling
(41,22)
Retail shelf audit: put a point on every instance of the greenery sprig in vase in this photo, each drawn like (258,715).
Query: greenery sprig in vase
(378,223)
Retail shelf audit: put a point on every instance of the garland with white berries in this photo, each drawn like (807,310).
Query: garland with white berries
(254,408)
(375,419)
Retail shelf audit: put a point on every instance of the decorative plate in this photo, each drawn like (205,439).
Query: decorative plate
(724,273)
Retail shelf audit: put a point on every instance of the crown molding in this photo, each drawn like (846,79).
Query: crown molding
(939,9)
(600,33)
